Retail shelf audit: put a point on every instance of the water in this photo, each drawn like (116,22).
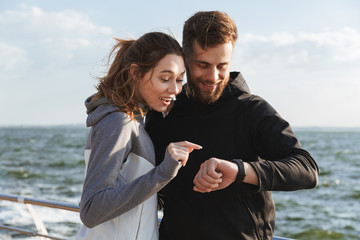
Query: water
(332,210)
(47,163)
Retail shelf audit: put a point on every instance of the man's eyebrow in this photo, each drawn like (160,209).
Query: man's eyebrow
(200,61)
(204,62)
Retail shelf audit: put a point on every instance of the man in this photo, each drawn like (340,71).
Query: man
(224,191)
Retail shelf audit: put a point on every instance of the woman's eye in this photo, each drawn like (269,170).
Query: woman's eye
(165,79)
(179,80)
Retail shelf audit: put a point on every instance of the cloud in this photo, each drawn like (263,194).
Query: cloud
(305,74)
(300,48)
(46,55)
(11,57)
(57,37)
(67,22)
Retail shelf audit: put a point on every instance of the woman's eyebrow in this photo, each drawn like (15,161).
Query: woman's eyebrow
(169,71)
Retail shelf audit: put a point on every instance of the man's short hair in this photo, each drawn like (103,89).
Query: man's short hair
(208,28)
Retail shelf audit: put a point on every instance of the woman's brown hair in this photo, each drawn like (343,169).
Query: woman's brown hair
(119,85)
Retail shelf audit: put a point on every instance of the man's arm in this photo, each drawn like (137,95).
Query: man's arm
(282,164)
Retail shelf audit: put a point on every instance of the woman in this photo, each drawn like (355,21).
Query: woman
(119,195)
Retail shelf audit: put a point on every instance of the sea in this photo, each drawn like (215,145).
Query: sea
(46,163)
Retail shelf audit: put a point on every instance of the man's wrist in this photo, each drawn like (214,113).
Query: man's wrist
(241,174)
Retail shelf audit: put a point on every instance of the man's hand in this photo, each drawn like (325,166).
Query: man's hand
(215,174)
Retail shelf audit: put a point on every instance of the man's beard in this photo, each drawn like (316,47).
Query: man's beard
(207,97)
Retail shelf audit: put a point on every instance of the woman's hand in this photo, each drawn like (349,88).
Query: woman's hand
(180,150)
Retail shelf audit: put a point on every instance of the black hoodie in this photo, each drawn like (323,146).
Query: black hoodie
(237,126)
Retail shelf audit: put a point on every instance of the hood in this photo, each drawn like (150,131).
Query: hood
(98,109)
(236,86)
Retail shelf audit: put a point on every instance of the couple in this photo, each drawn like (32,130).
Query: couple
(241,149)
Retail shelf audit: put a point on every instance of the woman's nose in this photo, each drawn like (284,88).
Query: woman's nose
(173,88)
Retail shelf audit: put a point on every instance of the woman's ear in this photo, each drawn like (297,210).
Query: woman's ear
(134,69)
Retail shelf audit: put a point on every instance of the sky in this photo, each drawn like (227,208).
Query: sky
(303,57)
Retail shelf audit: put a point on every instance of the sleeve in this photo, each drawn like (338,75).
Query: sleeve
(102,198)
(283,164)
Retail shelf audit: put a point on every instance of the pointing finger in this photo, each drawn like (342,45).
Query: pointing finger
(191,146)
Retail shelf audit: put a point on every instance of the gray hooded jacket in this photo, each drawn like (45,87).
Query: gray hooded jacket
(119,194)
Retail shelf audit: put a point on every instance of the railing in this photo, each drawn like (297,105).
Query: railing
(40,227)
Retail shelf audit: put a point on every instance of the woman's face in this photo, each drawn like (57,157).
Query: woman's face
(160,85)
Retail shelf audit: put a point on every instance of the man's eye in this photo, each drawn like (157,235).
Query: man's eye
(203,65)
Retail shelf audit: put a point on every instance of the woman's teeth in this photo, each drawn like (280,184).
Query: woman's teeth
(166,99)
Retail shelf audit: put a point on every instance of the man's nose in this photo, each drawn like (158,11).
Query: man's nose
(213,74)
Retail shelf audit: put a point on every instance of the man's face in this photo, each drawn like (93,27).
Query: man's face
(209,71)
